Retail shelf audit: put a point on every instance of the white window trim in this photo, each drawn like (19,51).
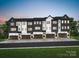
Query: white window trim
(34,22)
(13,29)
(68,21)
(54,28)
(54,22)
(29,23)
(65,21)
(29,29)
(67,27)
(62,21)
(12,23)
(48,22)
(37,28)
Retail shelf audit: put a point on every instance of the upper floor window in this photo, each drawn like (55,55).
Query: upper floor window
(54,22)
(13,29)
(29,23)
(64,27)
(48,22)
(12,24)
(54,28)
(65,21)
(37,22)
(23,23)
(43,28)
(34,22)
(29,29)
(68,21)
(18,23)
(62,21)
(37,28)
(67,27)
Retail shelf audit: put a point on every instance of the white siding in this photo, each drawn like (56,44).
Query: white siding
(19,24)
(43,25)
(13,29)
(13,34)
(48,24)
(24,27)
(37,32)
(59,25)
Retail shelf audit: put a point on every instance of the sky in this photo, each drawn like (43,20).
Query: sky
(39,8)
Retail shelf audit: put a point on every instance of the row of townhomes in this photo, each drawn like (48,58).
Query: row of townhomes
(39,28)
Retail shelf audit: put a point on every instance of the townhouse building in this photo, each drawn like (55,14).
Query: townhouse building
(39,28)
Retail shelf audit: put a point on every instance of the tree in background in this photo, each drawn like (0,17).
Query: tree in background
(73,28)
(4,27)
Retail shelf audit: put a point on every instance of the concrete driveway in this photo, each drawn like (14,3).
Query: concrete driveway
(37,40)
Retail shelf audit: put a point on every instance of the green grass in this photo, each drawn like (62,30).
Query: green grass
(40,52)
(75,37)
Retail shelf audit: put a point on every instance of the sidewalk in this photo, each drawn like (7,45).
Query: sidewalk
(37,40)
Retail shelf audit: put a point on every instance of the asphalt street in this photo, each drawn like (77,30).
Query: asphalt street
(39,44)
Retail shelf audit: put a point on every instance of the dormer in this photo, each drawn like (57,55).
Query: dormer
(49,18)
(65,16)
(11,19)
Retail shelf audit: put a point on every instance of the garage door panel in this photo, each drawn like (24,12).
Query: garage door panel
(63,35)
(38,36)
(25,36)
(50,36)
(13,37)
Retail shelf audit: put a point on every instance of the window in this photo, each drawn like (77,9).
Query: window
(62,21)
(54,22)
(62,27)
(34,22)
(48,22)
(37,22)
(68,21)
(44,28)
(37,28)
(54,28)
(23,23)
(29,23)
(13,29)
(67,27)
(29,29)
(12,24)
(65,21)
(18,23)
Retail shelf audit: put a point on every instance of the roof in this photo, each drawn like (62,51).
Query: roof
(39,19)
(27,19)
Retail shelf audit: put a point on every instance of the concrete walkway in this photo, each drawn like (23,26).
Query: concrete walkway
(37,40)
(40,47)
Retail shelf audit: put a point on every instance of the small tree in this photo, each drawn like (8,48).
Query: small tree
(4,27)
(73,28)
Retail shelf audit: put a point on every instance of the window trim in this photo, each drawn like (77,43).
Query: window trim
(29,23)
(37,28)
(12,29)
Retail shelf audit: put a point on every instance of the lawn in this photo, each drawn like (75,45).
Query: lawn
(40,52)
(75,37)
